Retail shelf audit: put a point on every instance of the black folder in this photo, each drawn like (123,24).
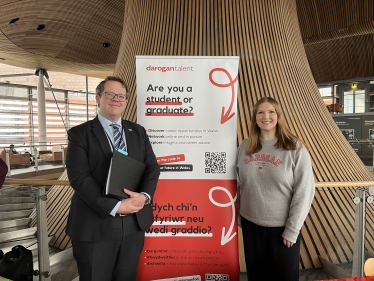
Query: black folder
(124,172)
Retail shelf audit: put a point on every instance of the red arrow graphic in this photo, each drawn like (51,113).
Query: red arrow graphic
(225,116)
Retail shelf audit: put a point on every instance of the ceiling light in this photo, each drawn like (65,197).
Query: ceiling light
(40,26)
(14,20)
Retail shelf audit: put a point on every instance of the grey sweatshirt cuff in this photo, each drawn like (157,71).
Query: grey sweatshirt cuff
(290,235)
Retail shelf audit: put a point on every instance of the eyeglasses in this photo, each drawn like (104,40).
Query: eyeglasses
(111,96)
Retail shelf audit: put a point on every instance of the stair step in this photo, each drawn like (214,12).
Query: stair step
(15,228)
(15,200)
(57,258)
(7,246)
(31,244)
(13,223)
(15,194)
(15,214)
(17,234)
(13,207)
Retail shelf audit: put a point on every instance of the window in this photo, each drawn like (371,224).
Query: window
(19,114)
(14,115)
(326,94)
(348,102)
(78,108)
(360,101)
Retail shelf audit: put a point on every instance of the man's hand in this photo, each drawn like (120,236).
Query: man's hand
(133,204)
(139,196)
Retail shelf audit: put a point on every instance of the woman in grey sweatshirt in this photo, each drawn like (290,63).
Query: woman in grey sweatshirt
(276,185)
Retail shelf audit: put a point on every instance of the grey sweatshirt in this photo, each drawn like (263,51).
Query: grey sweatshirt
(276,186)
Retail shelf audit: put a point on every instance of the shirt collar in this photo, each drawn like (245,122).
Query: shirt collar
(106,123)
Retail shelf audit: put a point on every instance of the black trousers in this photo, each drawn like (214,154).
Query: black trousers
(266,257)
(115,258)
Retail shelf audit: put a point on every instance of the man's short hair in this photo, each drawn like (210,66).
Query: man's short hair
(100,87)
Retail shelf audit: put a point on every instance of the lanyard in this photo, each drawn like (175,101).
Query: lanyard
(111,143)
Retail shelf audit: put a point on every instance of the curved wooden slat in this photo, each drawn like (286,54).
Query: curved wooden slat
(266,36)
(36,182)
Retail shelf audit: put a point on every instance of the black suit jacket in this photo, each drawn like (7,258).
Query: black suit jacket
(88,158)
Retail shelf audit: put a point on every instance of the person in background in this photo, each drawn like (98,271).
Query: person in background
(11,147)
(14,151)
(276,186)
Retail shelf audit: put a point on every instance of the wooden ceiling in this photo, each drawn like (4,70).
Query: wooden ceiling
(338,36)
(73,37)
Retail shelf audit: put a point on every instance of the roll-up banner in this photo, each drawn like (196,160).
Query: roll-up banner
(188,105)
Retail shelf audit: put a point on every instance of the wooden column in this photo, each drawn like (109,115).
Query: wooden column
(266,36)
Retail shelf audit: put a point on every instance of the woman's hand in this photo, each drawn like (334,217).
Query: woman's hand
(287,243)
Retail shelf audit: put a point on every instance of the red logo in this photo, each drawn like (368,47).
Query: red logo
(260,168)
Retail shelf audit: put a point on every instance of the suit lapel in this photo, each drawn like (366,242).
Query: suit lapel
(98,131)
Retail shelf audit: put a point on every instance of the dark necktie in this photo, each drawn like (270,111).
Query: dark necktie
(118,141)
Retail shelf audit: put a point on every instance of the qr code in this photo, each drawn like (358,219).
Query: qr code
(215,163)
(217,277)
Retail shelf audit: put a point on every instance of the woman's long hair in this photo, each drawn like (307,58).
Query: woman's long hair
(286,139)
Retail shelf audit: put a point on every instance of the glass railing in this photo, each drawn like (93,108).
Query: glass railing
(343,223)
(28,158)
(369,234)
(35,189)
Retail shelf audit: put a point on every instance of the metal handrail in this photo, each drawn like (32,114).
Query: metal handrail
(66,182)
(36,182)
(344,183)
(19,146)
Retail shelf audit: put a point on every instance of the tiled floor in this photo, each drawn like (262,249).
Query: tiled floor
(67,275)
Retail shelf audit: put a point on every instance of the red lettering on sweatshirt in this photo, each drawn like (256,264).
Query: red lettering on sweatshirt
(263,158)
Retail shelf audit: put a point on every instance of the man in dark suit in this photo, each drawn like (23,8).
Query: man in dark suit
(108,234)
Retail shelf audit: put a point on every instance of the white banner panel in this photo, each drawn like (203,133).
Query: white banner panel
(188,107)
